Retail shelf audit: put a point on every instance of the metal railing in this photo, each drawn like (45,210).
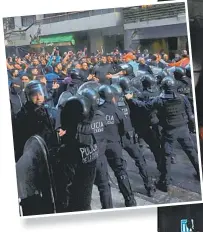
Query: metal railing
(76,15)
(132,15)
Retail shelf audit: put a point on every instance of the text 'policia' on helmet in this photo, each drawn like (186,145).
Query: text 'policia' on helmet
(33,88)
(168,83)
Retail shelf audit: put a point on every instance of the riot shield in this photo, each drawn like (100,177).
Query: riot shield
(90,85)
(35,177)
(63,99)
(156,71)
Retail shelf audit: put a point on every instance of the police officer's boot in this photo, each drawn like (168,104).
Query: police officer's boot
(150,188)
(130,201)
(125,189)
(173,160)
(148,183)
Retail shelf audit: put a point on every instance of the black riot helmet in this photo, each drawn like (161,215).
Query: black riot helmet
(32,89)
(127,68)
(136,83)
(93,96)
(168,84)
(148,82)
(188,71)
(125,84)
(118,94)
(75,74)
(179,73)
(76,109)
(106,94)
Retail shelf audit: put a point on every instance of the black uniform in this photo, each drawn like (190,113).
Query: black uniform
(98,126)
(116,128)
(174,111)
(78,155)
(130,144)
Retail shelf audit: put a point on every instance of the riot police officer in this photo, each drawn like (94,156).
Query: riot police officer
(130,141)
(98,126)
(35,118)
(126,70)
(78,155)
(115,129)
(183,82)
(141,122)
(174,112)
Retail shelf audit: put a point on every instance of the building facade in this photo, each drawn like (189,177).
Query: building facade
(152,27)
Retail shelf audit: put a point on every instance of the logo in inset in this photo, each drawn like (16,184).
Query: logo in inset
(184,225)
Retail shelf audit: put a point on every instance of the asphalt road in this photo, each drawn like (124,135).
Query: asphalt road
(185,187)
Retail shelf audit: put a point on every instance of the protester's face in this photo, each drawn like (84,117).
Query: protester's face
(38,99)
(84,60)
(184,52)
(59,67)
(43,62)
(15,74)
(78,66)
(166,57)
(142,61)
(10,59)
(85,66)
(103,59)
(43,80)
(34,71)
(35,62)
(25,79)
(110,59)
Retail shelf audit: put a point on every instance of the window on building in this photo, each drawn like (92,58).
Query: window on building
(9,23)
(53,15)
(173,43)
(28,20)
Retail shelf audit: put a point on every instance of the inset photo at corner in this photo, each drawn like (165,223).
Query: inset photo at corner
(102,109)
(183,218)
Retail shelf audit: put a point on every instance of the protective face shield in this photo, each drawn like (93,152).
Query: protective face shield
(34,92)
(127,68)
(63,99)
(89,85)
(139,74)
(156,71)
(118,94)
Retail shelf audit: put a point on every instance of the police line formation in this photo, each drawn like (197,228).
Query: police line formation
(73,115)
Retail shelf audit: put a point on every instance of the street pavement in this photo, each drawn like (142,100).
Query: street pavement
(185,187)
